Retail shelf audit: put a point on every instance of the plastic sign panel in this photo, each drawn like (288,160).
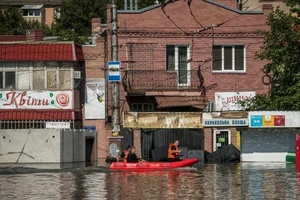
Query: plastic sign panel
(268,120)
(114,73)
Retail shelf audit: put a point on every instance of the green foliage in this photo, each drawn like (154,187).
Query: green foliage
(281,48)
(13,23)
(76,15)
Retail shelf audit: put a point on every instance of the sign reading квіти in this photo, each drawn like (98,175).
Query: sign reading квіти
(36,99)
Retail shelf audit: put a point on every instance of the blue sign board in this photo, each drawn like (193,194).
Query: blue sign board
(114,73)
(89,128)
(225,122)
(256,121)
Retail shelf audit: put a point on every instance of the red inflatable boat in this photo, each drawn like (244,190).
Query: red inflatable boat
(152,166)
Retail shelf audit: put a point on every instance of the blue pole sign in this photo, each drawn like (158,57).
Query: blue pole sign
(114,73)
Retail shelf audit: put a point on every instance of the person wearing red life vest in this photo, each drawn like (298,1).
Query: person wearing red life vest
(173,152)
(124,155)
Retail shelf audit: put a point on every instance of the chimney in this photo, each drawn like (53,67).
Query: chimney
(267,8)
(34,35)
(96,25)
(96,29)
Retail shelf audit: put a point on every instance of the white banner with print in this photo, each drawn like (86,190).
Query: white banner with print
(95,98)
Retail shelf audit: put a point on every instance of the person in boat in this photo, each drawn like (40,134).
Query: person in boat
(124,156)
(132,157)
(174,152)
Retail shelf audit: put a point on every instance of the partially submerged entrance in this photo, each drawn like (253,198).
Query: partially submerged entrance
(193,139)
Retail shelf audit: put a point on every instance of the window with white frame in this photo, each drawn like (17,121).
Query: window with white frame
(229,58)
(142,107)
(36,76)
(32,13)
(176,57)
(177,60)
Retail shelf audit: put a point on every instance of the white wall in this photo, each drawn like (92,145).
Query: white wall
(263,157)
(43,145)
(30,146)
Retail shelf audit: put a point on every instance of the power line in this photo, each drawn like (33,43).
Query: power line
(189,2)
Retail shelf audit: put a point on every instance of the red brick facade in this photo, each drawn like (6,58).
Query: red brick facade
(170,26)
(142,39)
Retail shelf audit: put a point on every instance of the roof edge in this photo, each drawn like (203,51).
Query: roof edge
(208,1)
(233,9)
(140,10)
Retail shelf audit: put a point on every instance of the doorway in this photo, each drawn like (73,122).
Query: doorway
(89,150)
(222,138)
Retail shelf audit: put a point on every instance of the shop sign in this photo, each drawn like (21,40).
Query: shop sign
(227,101)
(36,100)
(58,125)
(265,119)
(162,120)
(224,122)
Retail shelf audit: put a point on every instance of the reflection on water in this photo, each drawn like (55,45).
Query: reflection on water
(230,181)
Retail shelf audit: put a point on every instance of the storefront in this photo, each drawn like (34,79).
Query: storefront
(223,128)
(271,134)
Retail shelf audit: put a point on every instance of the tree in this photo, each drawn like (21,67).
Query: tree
(281,47)
(13,23)
(75,18)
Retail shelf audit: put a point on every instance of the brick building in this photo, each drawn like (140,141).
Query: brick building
(41,96)
(170,58)
(179,63)
(33,69)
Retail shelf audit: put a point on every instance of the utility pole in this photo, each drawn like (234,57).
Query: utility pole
(115,85)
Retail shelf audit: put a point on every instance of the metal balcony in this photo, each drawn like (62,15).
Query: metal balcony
(161,80)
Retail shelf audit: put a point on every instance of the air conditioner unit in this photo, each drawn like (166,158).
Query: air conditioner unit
(77,75)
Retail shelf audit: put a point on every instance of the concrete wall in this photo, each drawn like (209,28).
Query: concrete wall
(269,145)
(30,146)
(43,145)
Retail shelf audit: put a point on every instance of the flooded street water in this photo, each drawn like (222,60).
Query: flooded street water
(221,181)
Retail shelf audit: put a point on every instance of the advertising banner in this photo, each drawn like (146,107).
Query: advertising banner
(36,99)
(273,119)
(95,98)
(162,120)
(228,101)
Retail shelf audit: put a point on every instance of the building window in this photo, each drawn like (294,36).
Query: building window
(142,107)
(36,76)
(10,80)
(176,57)
(229,58)
(31,13)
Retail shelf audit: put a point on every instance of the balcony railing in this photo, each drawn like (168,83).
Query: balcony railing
(153,80)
